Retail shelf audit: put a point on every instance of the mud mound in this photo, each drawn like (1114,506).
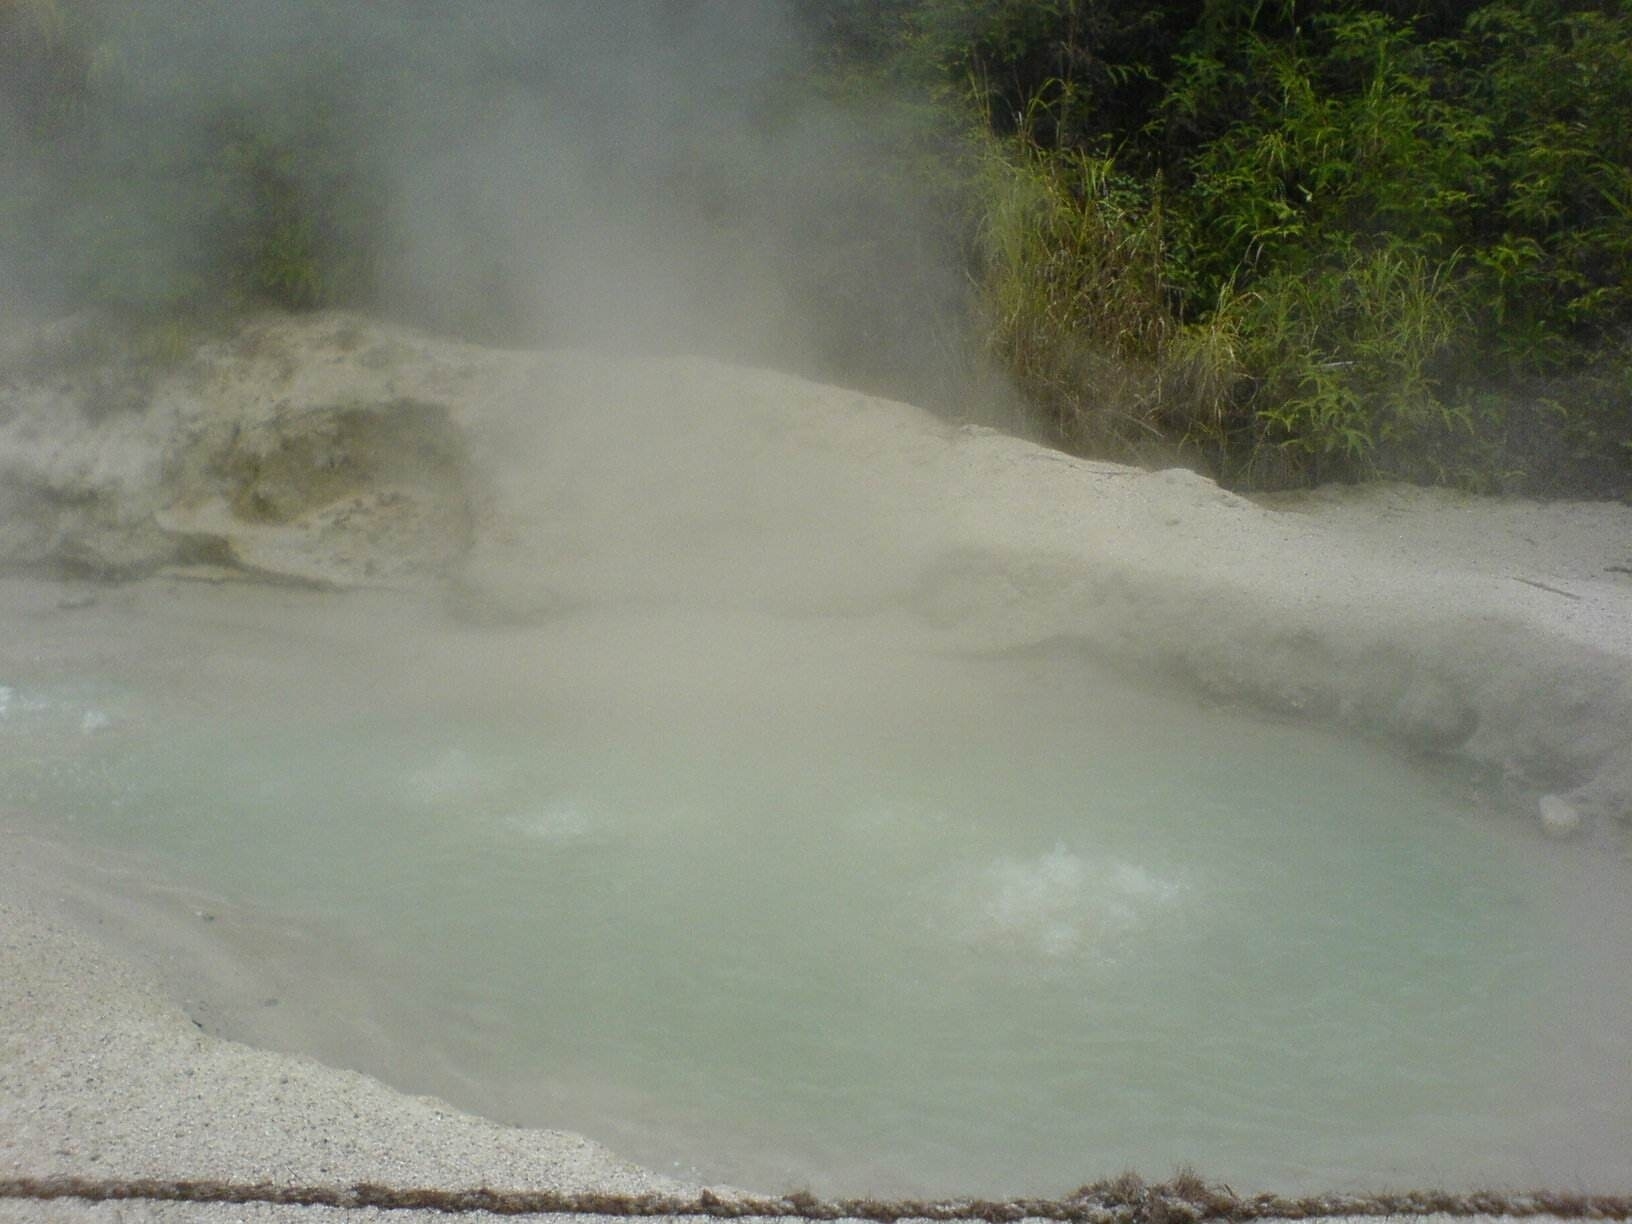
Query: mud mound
(281,453)
(333,451)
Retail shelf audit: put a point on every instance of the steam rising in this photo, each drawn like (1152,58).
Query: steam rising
(651,176)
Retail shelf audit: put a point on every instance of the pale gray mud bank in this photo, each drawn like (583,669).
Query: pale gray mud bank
(335,452)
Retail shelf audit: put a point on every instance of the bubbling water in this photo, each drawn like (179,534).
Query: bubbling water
(921,924)
(1053,907)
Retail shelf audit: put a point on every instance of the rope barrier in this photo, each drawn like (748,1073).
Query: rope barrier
(1123,1200)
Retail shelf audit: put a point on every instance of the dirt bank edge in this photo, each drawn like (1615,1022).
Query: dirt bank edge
(334,451)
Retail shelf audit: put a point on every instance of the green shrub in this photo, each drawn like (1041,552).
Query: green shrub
(1071,289)
(1341,357)
(1552,251)
(287,228)
(1370,238)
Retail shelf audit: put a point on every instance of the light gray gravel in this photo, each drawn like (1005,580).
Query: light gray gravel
(101,1075)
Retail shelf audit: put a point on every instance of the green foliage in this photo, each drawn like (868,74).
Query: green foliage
(1566,436)
(1553,250)
(1342,139)
(1334,201)
(1307,239)
(131,196)
(1071,288)
(1076,306)
(286,228)
(1071,74)
(1371,237)
(1342,354)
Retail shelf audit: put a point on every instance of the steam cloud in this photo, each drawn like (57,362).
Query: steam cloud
(651,175)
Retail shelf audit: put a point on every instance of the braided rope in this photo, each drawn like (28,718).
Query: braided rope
(1123,1200)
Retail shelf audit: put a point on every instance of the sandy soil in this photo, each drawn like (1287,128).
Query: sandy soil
(1496,631)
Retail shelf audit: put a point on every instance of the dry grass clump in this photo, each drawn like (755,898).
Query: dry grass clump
(1075,306)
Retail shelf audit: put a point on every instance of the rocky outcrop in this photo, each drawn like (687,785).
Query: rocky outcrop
(334,451)
(279,451)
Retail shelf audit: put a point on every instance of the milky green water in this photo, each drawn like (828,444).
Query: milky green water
(1024,929)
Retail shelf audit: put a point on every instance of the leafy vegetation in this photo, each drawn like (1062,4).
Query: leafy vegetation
(1290,240)
(133,196)
(1305,239)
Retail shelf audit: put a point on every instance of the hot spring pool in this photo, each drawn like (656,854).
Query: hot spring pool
(760,903)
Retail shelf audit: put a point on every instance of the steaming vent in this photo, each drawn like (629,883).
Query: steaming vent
(1057,908)
(340,496)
